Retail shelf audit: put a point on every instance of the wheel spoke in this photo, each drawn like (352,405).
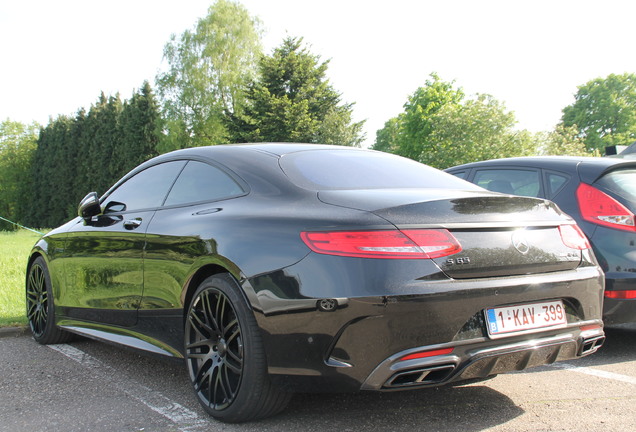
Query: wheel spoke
(236,353)
(31,292)
(198,344)
(228,382)
(208,311)
(202,375)
(199,326)
(31,311)
(220,312)
(233,367)
(232,331)
(222,386)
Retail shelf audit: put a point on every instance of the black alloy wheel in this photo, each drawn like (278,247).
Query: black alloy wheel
(39,303)
(215,348)
(224,354)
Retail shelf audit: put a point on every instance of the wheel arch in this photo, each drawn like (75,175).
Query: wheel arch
(35,254)
(203,273)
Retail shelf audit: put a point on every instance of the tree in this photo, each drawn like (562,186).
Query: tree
(17,145)
(441,127)
(477,129)
(140,127)
(416,122)
(562,141)
(604,111)
(89,152)
(292,101)
(386,139)
(208,70)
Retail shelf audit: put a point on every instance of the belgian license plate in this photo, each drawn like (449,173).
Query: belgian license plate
(502,321)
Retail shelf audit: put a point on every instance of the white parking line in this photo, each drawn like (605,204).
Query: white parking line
(595,372)
(185,419)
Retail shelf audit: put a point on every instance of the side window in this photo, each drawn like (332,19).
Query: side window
(510,181)
(555,182)
(202,182)
(146,189)
(461,174)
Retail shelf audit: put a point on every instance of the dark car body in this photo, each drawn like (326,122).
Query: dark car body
(352,269)
(599,193)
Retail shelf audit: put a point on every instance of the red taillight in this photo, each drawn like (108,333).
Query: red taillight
(621,295)
(573,237)
(393,244)
(599,208)
(424,354)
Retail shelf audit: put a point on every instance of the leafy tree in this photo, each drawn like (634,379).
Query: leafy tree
(17,145)
(416,122)
(441,127)
(604,111)
(292,101)
(477,129)
(208,70)
(386,139)
(563,141)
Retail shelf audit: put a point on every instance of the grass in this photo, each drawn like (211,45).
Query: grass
(14,251)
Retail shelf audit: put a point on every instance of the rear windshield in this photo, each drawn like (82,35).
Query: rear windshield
(357,169)
(621,182)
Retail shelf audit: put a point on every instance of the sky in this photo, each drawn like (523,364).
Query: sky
(58,56)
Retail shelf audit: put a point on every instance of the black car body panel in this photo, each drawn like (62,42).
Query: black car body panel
(614,248)
(331,321)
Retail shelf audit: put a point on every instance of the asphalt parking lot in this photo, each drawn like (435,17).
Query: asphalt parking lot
(91,386)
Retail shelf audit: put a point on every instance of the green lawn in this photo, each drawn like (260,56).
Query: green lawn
(14,251)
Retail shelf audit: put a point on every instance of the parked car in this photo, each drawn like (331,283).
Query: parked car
(274,268)
(599,193)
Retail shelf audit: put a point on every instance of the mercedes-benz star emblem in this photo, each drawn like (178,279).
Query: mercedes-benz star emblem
(520,242)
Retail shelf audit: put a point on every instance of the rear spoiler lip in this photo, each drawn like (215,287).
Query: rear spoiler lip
(491,225)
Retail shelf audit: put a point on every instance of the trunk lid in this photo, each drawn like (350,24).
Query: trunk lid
(500,235)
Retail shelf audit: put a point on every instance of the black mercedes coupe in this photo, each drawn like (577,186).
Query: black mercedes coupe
(275,268)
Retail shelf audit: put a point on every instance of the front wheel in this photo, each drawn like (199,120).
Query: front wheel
(225,356)
(40,308)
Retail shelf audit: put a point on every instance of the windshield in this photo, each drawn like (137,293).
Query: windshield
(356,169)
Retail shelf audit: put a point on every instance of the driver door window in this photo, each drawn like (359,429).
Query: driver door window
(144,190)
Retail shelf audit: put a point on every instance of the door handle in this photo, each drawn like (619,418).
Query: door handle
(132,224)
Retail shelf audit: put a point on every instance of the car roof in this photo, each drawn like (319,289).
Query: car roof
(556,162)
(589,168)
(276,149)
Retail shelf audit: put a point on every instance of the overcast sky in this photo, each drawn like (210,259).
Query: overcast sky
(57,56)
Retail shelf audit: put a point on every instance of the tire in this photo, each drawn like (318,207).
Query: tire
(225,356)
(40,307)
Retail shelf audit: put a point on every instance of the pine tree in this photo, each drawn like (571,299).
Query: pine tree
(292,101)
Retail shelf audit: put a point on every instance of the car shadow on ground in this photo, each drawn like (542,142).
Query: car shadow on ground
(471,407)
(461,408)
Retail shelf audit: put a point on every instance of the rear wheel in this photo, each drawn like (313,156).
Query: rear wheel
(40,308)
(225,356)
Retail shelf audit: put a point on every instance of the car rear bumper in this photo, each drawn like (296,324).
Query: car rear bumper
(358,343)
(616,310)
(482,359)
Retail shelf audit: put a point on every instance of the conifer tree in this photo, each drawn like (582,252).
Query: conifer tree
(292,101)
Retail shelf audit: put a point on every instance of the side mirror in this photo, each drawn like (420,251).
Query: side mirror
(89,206)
